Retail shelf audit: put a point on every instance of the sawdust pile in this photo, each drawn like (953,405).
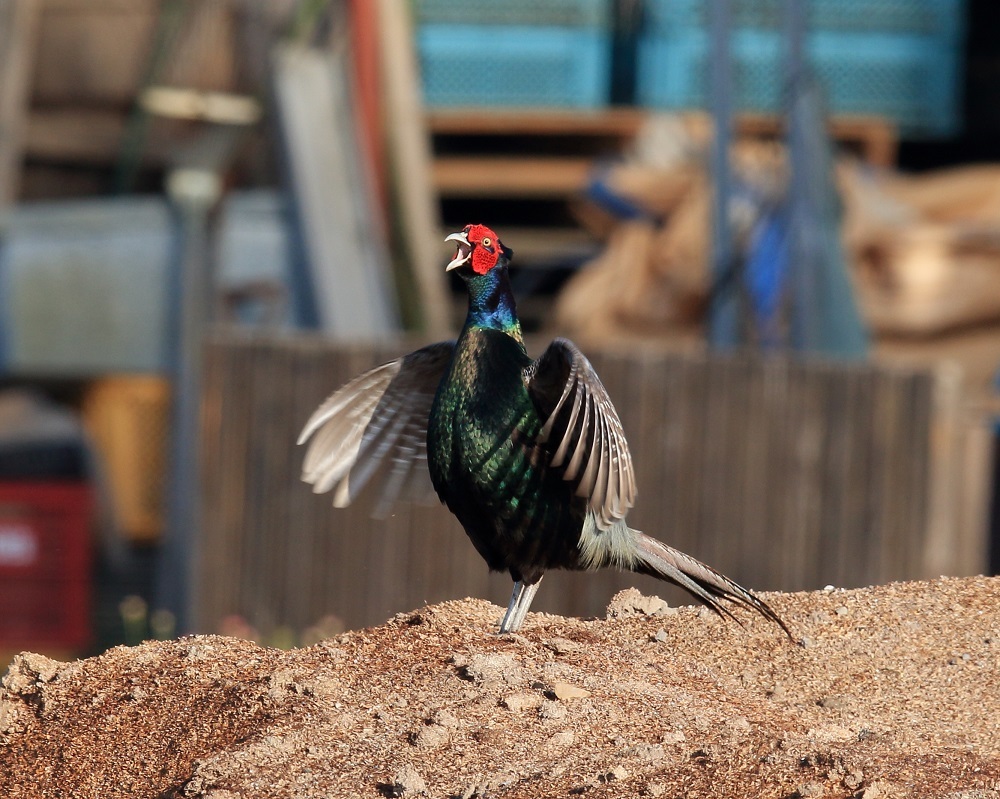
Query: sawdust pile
(891,692)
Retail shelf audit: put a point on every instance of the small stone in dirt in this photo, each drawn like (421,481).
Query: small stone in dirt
(841,610)
(430,736)
(648,752)
(853,780)
(322,687)
(837,702)
(880,789)
(563,646)
(777,694)
(631,602)
(661,636)
(28,671)
(410,618)
(654,789)
(475,788)
(563,691)
(408,782)
(617,773)
(552,711)
(563,738)
(810,789)
(489,670)
(7,715)
(831,733)
(674,737)
(518,703)
(737,727)
(444,718)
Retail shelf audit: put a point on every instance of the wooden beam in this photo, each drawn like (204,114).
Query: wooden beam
(364,45)
(18,35)
(875,137)
(617,122)
(89,136)
(346,257)
(481,176)
(410,157)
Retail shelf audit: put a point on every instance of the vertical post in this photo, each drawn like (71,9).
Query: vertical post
(795,34)
(824,315)
(195,194)
(410,163)
(18,31)
(802,214)
(724,316)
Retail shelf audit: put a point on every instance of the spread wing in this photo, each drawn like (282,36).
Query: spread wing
(379,419)
(582,431)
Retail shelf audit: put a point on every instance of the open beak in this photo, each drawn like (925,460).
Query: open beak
(464,252)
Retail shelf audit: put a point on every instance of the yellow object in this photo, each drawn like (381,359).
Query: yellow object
(127,418)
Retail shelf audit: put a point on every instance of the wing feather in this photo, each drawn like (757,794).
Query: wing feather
(582,430)
(560,454)
(375,426)
(581,442)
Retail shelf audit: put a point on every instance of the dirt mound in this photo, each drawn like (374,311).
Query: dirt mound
(892,691)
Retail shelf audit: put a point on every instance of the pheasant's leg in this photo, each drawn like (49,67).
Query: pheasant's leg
(520,601)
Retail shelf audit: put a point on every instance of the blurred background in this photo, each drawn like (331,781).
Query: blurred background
(773,225)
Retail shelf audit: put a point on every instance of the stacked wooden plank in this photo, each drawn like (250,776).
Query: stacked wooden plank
(924,253)
(926,247)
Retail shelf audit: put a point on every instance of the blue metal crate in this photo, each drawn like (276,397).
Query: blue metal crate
(474,65)
(911,79)
(570,13)
(936,18)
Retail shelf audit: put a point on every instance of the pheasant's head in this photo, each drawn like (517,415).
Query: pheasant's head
(479,248)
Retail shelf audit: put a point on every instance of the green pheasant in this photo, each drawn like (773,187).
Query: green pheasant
(529,454)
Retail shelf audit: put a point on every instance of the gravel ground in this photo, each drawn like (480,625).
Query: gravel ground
(891,691)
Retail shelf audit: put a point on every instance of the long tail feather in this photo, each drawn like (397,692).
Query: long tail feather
(703,582)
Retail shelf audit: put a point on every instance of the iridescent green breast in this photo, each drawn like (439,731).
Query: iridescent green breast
(486,464)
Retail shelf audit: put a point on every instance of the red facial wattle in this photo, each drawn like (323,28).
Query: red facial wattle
(483,260)
(486,248)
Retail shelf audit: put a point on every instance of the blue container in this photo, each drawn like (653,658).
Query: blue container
(935,18)
(570,13)
(910,77)
(478,65)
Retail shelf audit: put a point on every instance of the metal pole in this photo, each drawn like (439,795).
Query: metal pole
(803,219)
(195,193)
(724,317)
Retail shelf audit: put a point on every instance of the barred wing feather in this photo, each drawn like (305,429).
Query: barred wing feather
(378,419)
(582,431)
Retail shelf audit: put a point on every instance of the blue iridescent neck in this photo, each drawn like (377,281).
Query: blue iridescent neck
(491,302)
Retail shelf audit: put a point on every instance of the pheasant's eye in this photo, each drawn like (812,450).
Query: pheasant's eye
(487,241)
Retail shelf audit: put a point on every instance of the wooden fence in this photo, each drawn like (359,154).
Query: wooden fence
(784,474)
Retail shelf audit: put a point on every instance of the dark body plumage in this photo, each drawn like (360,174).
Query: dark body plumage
(529,455)
(486,463)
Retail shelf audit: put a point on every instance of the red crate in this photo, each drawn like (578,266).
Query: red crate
(45,565)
